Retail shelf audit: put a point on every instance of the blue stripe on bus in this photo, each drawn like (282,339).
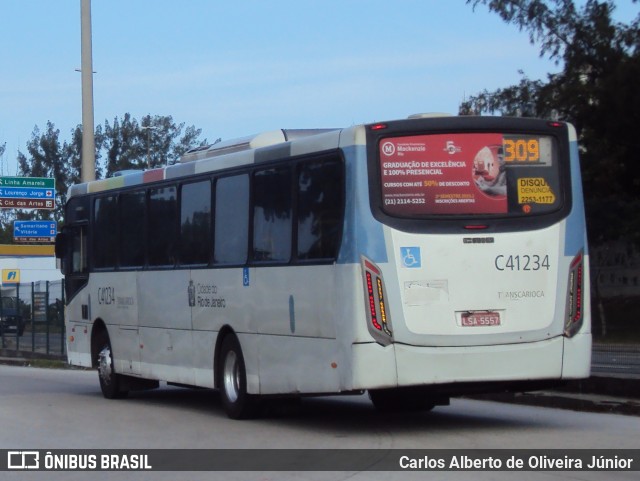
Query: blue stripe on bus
(575,238)
(133,178)
(180,170)
(363,234)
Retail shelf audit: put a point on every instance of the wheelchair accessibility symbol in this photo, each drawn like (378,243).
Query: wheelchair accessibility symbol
(411,257)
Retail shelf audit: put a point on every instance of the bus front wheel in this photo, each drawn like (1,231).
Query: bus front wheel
(110,381)
(237,403)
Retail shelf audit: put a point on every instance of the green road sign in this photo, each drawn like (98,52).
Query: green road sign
(38,182)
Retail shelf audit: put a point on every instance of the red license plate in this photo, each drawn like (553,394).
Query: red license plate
(480,318)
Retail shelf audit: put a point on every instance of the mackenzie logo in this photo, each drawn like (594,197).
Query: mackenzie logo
(388,148)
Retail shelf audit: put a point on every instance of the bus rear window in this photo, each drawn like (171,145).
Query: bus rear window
(469,174)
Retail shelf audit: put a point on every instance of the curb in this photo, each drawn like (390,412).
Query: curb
(612,385)
(575,402)
(10,354)
(28,358)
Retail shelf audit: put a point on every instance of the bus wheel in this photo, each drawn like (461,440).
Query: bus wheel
(238,404)
(396,400)
(110,382)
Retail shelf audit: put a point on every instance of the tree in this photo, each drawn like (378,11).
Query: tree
(125,144)
(156,141)
(596,90)
(122,143)
(72,152)
(46,159)
(6,233)
(522,100)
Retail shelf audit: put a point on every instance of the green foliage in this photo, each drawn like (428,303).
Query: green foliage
(522,100)
(596,90)
(73,155)
(45,159)
(154,142)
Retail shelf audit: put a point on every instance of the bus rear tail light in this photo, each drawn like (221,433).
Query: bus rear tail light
(378,319)
(575,296)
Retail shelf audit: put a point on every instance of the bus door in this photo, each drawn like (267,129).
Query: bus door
(71,250)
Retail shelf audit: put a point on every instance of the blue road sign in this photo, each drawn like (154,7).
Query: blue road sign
(34,231)
(26,193)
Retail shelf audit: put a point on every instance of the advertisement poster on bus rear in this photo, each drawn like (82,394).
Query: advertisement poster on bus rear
(444,174)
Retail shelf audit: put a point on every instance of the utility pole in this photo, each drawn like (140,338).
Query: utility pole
(149,128)
(88,169)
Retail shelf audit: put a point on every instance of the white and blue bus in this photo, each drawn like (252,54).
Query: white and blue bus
(416,259)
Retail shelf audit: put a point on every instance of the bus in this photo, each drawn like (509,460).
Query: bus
(414,259)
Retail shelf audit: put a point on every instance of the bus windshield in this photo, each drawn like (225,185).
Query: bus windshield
(469,174)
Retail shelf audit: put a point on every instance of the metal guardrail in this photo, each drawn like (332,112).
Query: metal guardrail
(615,359)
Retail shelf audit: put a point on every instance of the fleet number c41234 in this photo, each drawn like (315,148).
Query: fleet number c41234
(522,262)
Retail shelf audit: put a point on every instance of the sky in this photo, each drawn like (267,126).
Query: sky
(235,68)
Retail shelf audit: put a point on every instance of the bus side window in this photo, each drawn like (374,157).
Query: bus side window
(320,201)
(78,250)
(132,228)
(105,232)
(272,215)
(74,261)
(231,233)
(162,242)
(195,223)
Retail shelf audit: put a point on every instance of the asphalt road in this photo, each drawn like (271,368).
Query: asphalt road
(63,409)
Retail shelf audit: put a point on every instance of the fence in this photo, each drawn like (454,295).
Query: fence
(33,319)
(619,359)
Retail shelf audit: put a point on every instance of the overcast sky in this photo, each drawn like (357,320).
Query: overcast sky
(242,67)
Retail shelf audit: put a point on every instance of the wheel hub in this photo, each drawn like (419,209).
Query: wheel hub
(231,376)
(104,365)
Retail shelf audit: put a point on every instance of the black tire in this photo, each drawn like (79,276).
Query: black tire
(398,400)
(237,403)
(110,382)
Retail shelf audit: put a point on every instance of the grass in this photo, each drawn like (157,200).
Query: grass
(49,363)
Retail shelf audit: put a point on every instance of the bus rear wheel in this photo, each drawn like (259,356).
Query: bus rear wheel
(237,403)
(110,382)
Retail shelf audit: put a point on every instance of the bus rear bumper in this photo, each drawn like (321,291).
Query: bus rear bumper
(400,365)
(577,357)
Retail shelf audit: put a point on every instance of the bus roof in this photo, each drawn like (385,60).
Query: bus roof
(250,142)
(258,148)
